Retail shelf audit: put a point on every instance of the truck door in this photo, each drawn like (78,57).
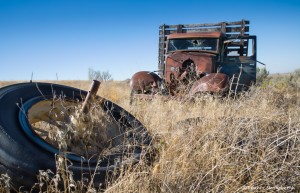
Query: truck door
(238,61)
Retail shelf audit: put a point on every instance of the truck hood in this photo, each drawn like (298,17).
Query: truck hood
(177,62)
(204,62)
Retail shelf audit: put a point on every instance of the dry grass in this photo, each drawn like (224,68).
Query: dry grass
(247,144)
(117,91)
(70,130)
(232,145)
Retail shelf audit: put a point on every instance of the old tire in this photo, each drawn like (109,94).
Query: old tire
(23,153)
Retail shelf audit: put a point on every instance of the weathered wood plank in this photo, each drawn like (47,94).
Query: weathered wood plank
(217,29)
(246,22)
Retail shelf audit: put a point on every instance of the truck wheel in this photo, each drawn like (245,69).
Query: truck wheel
(23,152)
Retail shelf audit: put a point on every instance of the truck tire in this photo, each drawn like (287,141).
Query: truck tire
(23,153)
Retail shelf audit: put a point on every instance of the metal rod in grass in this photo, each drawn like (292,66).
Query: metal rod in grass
(90,96)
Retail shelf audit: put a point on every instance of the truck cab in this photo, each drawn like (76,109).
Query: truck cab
(190,56)
(196,58)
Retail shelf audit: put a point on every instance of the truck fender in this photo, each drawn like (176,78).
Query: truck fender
(212,83)
(144,81)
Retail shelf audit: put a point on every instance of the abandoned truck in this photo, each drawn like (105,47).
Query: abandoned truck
(197,58)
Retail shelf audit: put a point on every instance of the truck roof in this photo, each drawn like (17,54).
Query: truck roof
(196,35)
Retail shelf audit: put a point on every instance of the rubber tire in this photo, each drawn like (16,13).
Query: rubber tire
(21,158)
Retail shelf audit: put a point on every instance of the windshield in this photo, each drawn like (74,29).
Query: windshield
(208,44)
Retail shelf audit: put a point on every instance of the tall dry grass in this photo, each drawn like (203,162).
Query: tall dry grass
(247,144)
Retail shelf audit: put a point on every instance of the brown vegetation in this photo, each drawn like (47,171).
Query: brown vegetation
(247,144)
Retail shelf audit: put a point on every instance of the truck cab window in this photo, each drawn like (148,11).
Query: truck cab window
(205,44)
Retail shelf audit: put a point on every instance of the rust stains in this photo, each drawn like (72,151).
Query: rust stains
(195,35)
(212,83)
(144,81)
(178,62)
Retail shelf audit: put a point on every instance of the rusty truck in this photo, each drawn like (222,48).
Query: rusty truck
(200,58)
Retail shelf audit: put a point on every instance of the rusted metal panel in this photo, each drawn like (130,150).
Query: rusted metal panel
(143,81)
(204,63)
(214,82)
(196,35)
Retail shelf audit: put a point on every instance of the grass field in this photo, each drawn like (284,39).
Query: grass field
(249,143)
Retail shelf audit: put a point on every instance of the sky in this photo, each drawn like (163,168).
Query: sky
(62,39)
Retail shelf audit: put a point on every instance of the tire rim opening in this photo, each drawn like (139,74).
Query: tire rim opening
(57,125)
